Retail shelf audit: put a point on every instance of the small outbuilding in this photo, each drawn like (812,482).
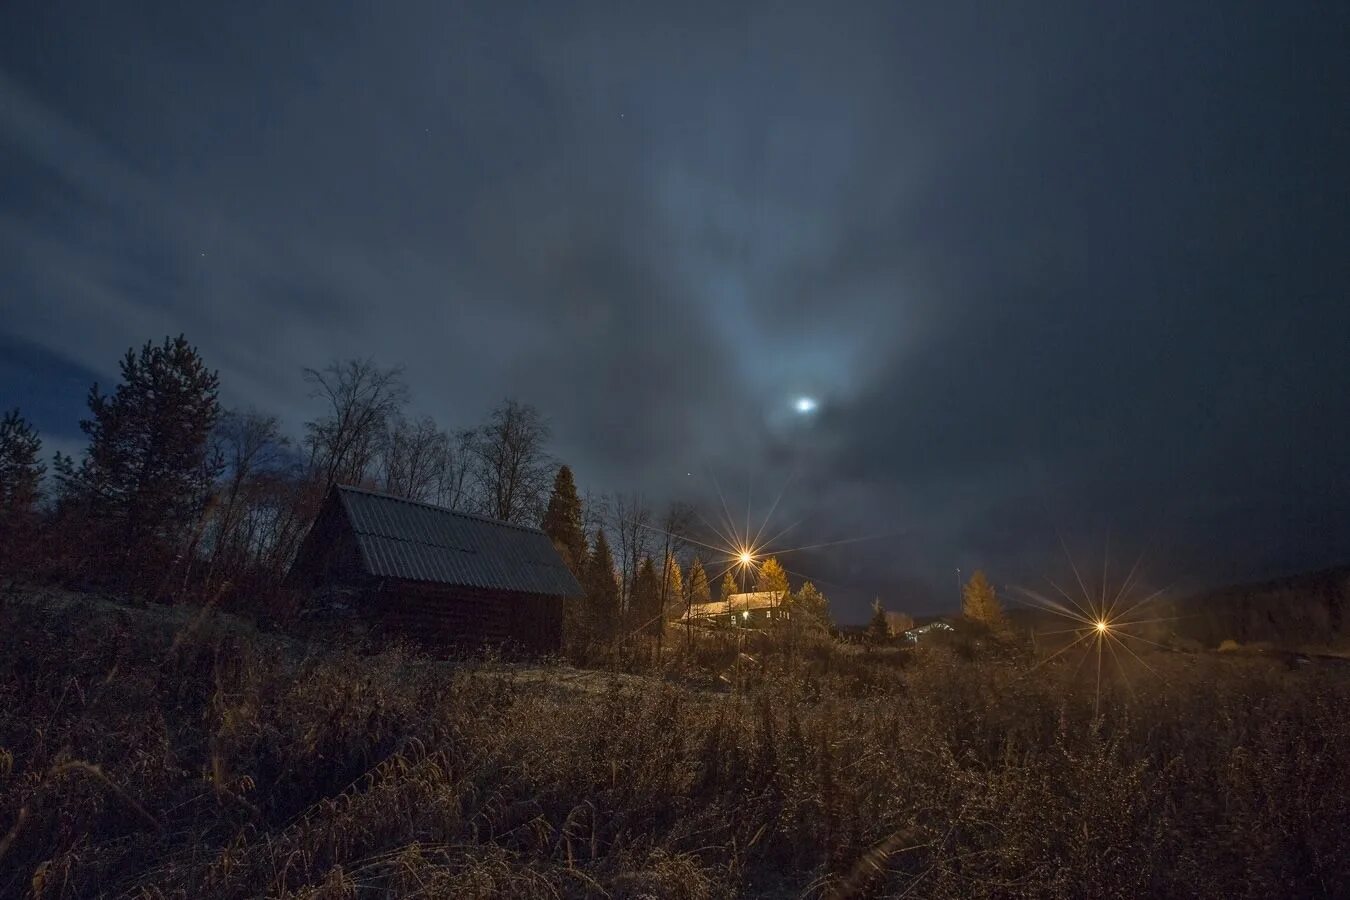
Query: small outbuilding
(444,577)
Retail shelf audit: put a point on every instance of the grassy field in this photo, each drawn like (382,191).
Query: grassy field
(165,753)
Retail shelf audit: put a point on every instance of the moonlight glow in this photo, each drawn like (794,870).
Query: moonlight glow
(805,405)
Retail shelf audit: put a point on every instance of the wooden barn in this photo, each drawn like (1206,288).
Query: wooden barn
(446,578)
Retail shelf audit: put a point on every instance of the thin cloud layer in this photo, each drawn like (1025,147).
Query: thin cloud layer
(1080,271)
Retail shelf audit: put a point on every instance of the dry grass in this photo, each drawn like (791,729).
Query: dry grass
(209,760)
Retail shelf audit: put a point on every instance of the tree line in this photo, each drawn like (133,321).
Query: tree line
(175,493)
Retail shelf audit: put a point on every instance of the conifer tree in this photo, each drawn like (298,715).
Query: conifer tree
(728,587)
(602,591)
(772,577)
(562,521)
(147,473)
(645,607)
(672,586)
(20,470)
(20,484)
(699,592)
(877,629)
(810,607)
(979,603)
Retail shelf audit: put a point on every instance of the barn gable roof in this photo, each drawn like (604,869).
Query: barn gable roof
(414,541)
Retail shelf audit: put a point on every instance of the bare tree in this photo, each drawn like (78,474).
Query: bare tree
(250,445)
(413,458)
(361,399)
(452,484)
(512,471)
(594,513)
(675,525)
(632,524)
(897,623)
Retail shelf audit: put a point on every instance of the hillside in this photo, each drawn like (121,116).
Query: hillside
(1311,609)
(1307,611)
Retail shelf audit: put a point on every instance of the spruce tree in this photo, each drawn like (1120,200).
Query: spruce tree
(602,591)
(877,630)
(562,521)
(728,587)
(645,609)
(147,473)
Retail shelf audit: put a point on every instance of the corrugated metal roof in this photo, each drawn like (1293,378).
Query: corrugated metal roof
(420,542)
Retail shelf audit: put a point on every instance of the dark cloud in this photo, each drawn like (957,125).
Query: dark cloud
(1075,271)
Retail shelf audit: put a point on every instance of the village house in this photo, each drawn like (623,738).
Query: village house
(930,627)
(444,577)
(754,609)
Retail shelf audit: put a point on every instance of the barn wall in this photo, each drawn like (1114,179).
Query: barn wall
(447,615)
(329,554)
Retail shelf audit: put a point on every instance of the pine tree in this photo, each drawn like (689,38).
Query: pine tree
(979,604)
(728,587)
(772,577)
(20,485)
(147,474)
(602,591)
(645,608)
(877,630)
(562,521)
(699,592)
(20,470)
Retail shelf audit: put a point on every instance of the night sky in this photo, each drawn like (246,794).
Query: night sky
(1073,269)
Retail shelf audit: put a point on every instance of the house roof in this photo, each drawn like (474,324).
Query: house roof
(735,603)
(404,539)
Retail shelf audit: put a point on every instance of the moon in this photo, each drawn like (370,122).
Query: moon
(805,405)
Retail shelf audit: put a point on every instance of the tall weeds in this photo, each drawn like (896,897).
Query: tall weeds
(200,758)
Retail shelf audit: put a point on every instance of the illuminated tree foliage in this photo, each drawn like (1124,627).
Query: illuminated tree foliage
(897,623)
(728,587)
(809,607)
(562,521)
(672,588)
(699,591)
(772,577)
(979,603)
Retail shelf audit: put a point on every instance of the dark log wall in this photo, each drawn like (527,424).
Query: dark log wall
(449,615)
